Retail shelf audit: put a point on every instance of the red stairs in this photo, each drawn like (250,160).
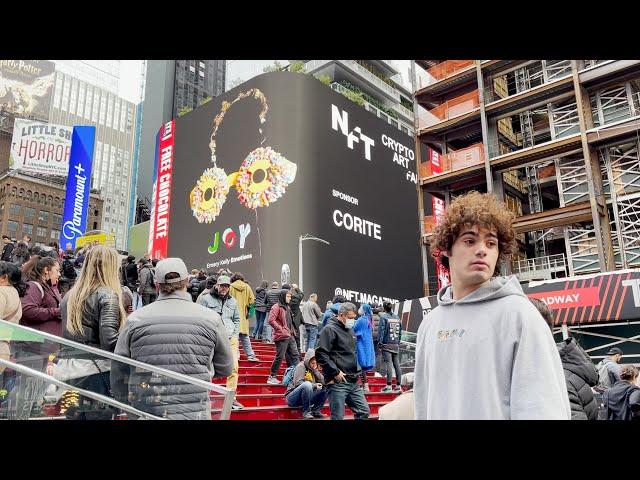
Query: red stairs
(267,402)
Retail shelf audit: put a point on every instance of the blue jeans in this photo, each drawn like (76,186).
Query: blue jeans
(312,335)
(268,332)
(260,316)
(351,394)
(306,397)
(246,344)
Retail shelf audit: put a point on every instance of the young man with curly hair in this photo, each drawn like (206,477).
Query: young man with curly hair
(485,352)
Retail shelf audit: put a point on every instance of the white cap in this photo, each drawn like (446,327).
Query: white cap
(171,265)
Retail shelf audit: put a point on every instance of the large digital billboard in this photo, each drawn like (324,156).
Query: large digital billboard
(283,156)
(26,87)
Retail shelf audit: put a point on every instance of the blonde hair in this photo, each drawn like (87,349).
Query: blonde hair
(100,269)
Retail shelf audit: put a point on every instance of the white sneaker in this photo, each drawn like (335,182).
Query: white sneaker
(273,380)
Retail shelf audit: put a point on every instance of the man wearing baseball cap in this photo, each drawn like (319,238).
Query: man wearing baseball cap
(176,334)
(609,369)
(226,306)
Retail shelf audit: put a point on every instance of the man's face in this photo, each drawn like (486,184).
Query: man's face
(348,316)
(473,256)
(288,297)
(617,358)
(313,299)
(223,289)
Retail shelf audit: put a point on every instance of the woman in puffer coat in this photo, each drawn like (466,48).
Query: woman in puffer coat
(580,375)
(93,312)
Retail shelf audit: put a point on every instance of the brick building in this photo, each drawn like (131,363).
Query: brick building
(33,205)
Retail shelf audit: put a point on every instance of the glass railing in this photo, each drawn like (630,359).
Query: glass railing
(46,374)
(407,352)
(456,160)
(442,71)
(378,82)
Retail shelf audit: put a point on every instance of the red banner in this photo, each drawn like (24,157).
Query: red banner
(438,214)
(159,225)
(577,297)
(435,159)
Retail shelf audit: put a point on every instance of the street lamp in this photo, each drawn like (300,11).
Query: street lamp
(300,240)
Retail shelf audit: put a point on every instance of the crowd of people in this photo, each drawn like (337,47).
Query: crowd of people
(486,352)
(97,297)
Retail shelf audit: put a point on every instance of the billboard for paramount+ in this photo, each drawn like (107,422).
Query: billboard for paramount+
(280,157)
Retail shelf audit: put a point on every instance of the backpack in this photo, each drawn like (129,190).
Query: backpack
(67,269)
(288,375)
(152,276)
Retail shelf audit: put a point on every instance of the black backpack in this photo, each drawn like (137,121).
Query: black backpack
(67,269)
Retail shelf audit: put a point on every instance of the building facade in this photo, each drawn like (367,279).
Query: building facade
(171,87)
(556,140)
(33,205)
(76,102)
(371,81)
(104,74)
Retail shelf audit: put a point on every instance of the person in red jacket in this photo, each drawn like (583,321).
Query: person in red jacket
(282,323)
(41,311)
(41,302)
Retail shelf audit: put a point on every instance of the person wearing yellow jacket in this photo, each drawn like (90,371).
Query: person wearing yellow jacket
(242,292)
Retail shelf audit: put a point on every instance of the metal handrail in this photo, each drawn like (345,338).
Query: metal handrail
(87,393)
(228,394)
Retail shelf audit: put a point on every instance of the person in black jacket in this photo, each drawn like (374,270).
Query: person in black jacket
(336,354)
(131,273)
(622,401)
(579,371)
(296,313)
(389,335)
(261,309)
(271,299)
(7,249)
(93,312)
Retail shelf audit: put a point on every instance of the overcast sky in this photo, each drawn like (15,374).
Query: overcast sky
(130,71)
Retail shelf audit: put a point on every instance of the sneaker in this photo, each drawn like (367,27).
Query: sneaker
(366,388)
(398,389)
(318,415)
(307,415)
(253,359)
(236,405)
(273,380)
(387,389)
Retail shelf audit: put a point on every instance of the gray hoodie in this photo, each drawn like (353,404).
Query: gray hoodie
(488,356)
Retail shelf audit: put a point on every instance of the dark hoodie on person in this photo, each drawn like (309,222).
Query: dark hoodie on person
(580,375)
(622,401)
(303,372)
(280,318)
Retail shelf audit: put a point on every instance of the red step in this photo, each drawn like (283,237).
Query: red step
(262,378)
(262,388)
(278,399)
(283,412)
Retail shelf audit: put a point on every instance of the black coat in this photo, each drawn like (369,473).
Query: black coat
(622,401)
(100,320)
(580,375)
(6,252)
(336,350)
(261,299)
(294,304)
(131,272)
(272,297)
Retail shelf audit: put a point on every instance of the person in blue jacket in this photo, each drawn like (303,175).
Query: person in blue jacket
(364,342)
(332,311)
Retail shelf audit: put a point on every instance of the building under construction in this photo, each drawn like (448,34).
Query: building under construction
(556,140)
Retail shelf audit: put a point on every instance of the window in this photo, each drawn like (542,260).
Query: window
(12,226)
(96,212)
(55,234)
(42,232)
(95,225)
(27,228)
(43,216)
(14,210)
(57,219)
(29,212)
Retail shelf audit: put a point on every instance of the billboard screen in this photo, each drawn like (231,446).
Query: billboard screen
(283,156)
(40,147)
(26,87)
